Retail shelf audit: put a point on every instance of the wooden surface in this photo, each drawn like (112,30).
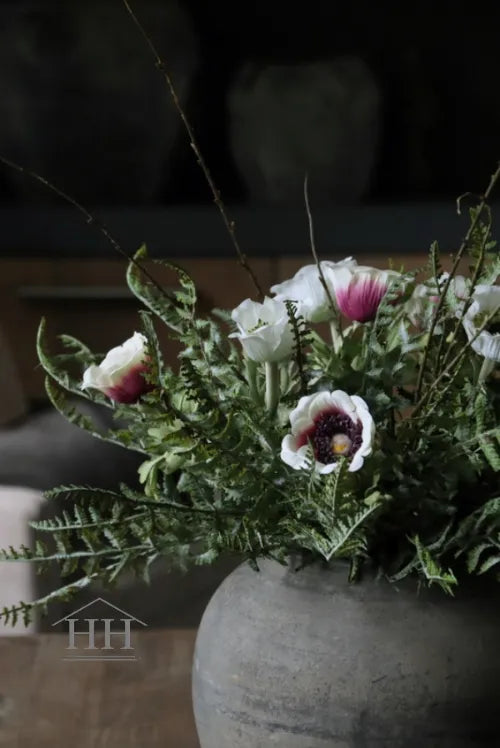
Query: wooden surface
(144,703)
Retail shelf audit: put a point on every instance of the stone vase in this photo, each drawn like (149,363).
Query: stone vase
(305,659)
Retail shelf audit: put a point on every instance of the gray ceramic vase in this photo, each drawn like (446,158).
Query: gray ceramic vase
(289,659)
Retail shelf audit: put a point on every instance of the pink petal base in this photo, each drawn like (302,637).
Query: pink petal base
(131,386)
(360,300)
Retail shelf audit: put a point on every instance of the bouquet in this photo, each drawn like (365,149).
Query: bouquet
(348,413)
(377,442)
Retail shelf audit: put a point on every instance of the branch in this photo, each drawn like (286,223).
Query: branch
(62,593)
(453,363)
(228,222)
(90,219)
(444,290)
(313,246)
(467,303)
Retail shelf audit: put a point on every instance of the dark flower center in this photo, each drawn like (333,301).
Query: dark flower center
(334,435)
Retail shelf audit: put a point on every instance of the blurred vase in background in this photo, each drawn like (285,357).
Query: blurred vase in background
(319,118)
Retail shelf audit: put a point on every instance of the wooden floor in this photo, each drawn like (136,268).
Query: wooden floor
(47,700)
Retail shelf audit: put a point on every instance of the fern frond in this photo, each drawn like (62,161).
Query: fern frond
(431,570)
(301,340)
(155,367)
(51,365)
(489,446)
(163,305)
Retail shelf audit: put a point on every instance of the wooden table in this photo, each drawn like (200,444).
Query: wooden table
(46,700)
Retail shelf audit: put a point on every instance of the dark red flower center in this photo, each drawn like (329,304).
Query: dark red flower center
(333,434)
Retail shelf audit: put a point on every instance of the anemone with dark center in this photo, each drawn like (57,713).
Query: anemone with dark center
(333,434)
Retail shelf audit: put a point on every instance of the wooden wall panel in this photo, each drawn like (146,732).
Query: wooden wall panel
(90,300)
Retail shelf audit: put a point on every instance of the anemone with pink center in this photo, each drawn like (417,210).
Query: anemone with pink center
(121,374)
(307,288)
(325,427)
(359,290)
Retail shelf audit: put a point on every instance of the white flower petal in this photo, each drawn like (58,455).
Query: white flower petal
(343,402)
(322,401)
(96,378)
(368,434)
(301,411)
(325,469)
(295,458)
(118,373)
(255,347)
(359,402)
(302,424)
(485,301)
(307,288)
(356,462)
(247,314)
(264,330)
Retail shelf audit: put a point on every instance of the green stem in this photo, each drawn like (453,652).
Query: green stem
(272,386)
(467,303)
(451,366)
(251,372)
(336,334)
(444,290)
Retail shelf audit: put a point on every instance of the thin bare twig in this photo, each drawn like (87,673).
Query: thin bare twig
(484,199)
(228,222)
(468,301)
(313,246)
(453,363)
(91,220)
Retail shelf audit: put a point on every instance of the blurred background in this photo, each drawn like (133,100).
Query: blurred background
(393,103)
(390,109)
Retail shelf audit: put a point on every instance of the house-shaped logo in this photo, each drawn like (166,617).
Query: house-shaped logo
(97,632)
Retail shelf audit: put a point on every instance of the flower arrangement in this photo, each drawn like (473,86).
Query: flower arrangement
(380,446)
(373,438)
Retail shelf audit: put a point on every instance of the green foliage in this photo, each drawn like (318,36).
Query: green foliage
(425,502)
(432,571)
(301,339)
(487,438)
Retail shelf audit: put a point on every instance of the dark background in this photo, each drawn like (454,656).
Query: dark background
(437,66)
(437,63)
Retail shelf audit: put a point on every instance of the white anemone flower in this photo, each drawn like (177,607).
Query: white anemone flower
(485,301)
(264,330)
(306,287)
(331,425)
(120,375)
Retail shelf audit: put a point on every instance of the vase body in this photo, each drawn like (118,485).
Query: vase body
(307,660)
